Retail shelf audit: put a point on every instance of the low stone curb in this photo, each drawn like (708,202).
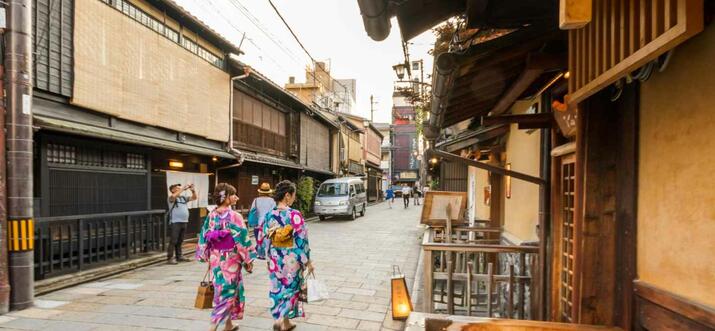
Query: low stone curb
(57,283)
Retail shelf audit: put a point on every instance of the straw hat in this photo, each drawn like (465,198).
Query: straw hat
(265,188)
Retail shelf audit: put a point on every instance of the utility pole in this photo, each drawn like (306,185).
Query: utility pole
(372,108)
(18,125)
(4,272)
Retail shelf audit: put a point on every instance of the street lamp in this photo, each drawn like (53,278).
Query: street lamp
(400,70)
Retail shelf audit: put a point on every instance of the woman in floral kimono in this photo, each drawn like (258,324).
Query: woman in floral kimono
(285,238)
(225,245)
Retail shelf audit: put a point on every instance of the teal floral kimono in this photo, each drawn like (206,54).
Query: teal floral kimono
(285,264)
(229,300)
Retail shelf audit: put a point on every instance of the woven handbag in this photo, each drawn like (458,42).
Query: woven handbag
(205,293)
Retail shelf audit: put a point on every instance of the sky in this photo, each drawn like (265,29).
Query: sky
(331,30)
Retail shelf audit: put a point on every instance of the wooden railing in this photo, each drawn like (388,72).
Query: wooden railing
(66,244)
(470,273)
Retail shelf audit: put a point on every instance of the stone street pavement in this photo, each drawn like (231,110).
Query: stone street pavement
(354,258)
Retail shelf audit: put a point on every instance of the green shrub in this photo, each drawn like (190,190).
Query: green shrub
(305,190)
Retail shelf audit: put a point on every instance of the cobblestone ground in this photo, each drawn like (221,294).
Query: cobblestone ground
(354,258)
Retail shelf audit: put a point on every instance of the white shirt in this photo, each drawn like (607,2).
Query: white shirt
(406,190)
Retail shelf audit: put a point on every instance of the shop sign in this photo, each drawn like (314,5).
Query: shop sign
(254,180)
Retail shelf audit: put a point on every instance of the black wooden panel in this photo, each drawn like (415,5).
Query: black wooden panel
(76,192)
(53,42)
(453,177)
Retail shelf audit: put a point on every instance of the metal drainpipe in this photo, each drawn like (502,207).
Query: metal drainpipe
(376,18)
(231,148)
(18,84)
(444,68)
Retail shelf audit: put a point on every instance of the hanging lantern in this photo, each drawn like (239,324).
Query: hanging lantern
(401,302)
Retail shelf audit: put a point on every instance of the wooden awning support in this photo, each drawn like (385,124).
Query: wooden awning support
(525,121)
(537,64)
(487,167)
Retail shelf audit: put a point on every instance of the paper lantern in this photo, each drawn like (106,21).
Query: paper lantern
(401,302)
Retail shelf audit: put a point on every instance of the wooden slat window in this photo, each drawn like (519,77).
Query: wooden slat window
(625,35)
(257,124)
(568,175)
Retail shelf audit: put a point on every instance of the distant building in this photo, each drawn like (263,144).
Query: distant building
(405,141)
(322,89)
(386,153)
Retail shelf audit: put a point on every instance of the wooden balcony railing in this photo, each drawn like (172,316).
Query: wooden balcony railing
(468,272)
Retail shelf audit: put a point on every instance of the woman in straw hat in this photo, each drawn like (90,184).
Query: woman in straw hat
(261,206)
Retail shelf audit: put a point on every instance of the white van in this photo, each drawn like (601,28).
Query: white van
(341,197)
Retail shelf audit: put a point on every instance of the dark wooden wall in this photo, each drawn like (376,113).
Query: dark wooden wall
(608,237)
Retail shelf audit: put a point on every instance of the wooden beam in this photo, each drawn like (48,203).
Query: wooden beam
(679,305)
(536,65)
(487,167)
(574,14)
(525,121)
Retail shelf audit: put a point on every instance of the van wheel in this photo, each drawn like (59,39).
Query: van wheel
(321,217)
(353,216)
(362,212)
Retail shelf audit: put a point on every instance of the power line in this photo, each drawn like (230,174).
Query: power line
(262,52)
(250,40)
(257,23)
(303,47)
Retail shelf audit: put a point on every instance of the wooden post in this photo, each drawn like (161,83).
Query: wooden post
(490,281)
(450,262)
(468,294)
(428,296)
(510,293)
(522,296)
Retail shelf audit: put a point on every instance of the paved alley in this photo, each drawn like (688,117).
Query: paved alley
(354,258)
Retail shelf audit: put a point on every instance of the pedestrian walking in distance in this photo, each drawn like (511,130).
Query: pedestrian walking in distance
(406,191)
(285,238)
(261,206)
(390,196)
(225,245)
(417,194)
(178,218)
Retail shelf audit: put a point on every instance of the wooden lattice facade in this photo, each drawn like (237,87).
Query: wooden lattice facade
(625,35)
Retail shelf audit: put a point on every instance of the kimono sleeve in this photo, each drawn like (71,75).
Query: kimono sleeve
(300,235)
(202,252)
(244,246)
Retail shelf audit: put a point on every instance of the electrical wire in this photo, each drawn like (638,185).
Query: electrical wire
(250,40)
(257,23)
(296,37)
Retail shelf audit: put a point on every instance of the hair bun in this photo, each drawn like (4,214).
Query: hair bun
(283,188)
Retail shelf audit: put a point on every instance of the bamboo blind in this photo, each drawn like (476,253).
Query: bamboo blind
(124,69)
(623,36)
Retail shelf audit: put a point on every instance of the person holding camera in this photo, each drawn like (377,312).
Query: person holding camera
(178,219)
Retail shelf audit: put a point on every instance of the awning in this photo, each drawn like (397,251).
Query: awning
(472,137)
(60,125)
(319,171)
(501,68)
(265,159)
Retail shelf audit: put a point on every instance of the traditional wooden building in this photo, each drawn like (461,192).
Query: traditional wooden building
(126,91)
(279,137)
(370,142)
(623,219)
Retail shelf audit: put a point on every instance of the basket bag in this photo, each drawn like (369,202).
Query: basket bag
(205,293)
